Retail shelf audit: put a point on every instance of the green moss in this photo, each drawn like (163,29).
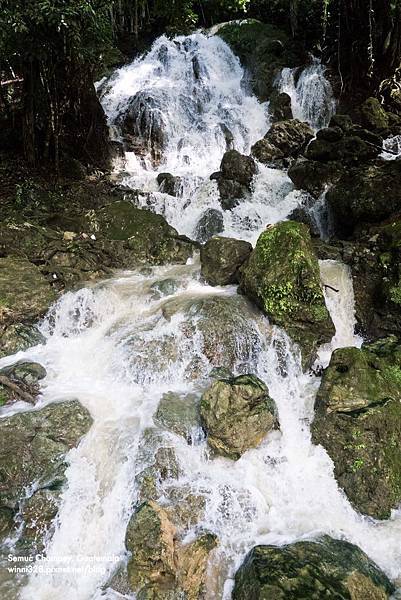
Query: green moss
(395,293)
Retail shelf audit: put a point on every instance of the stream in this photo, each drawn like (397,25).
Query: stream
(120,345)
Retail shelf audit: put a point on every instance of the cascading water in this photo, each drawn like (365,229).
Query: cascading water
(121,345)
(311,94)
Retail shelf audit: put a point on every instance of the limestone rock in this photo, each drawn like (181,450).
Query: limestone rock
(237,414)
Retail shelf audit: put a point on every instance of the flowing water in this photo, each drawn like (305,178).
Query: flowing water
(120,345)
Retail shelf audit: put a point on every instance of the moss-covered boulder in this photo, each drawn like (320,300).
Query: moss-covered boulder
(365,194)
(237,414)
(32,449)
(160,567)
(372,115)
(358,421)
(282,277)
(291,136)
(326,568)
(147,236)
(221,259)
(20,381)
(24,291)
(19,336)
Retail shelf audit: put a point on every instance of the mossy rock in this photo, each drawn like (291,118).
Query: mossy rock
(179,413)
(372,115)
(221,258)
(19,336)
(326,568)
(24,291)
(358,421)
(237,414)
(32,449)
(282,277)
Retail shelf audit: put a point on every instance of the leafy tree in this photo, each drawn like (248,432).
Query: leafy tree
(53,45)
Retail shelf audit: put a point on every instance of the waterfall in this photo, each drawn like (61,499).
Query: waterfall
(122,344)
(311,94)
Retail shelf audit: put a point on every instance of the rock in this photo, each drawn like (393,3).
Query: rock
(280,106)
(221,259)
(238,167)
(160,567)
(314,176)
(291,136)
(164,467)
(282,277)
(168,183)
(237,414)
(20,381)
(165,287)
(231,193)
(326,568)
(344,122)
(304,213)
(365,194)
(330,134)
(38,513)
(147,236)
(358,421)
(30,299)
(265,152)
(372,115)
(211,223)
(19,336)
(179,413)
(358,145)
(32,449)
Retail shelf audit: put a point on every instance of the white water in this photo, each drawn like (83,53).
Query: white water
(392,143)
(311,94)
(119,346)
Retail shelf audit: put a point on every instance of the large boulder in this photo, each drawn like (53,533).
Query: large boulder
(160,567)
(358,421)
(291,136)
(237,414)
(282,277)
(372,115)
(355,146)
(221,259)
(235,178)
(32,450)
(266,153)
(326,568)
(314,176)
(24,291)
(365,194)
(147,236)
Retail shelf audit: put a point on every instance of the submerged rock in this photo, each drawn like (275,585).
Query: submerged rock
(24,291)
(221,259)
(161,568)
(20,381)
(282,277)
(237,414)
(326,568)
(291,136)
(358,421)
(32,449)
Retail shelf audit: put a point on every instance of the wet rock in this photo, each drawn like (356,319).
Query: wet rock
(344,122)
(221,259)
(330,134)
(238,167)
(372,115)
(147,236)
(265,152)
(282,277)
(291,136)
(30,299)
(211,223)
(367,194)
(358,421)
(168,183)
(314,176)
(20,381)
(38,513)
(237,414)
(19,336)
(280,106)
(164,467)
(326,568)
(32,449)
(231,193)
(303,213)
(178,413)
(160,567)
(357,145)
(165,287)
